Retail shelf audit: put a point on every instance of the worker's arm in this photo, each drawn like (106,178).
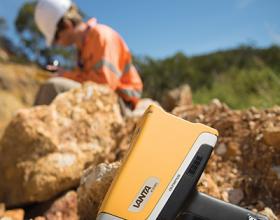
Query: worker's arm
(130,85)
(126,83)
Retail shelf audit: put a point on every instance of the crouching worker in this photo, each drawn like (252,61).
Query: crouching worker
(103,56)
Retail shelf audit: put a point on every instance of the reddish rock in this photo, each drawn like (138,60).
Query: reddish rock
(64,208)
(271,136)
(235,196)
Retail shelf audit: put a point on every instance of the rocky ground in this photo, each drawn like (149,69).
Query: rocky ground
(18,86)
(57,161)
(244,168)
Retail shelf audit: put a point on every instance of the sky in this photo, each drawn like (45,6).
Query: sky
(160,28)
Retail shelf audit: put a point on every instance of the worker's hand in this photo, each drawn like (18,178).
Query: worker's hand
(55,70)
(52,68)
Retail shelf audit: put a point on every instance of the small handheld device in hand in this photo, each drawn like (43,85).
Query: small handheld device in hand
(53,66)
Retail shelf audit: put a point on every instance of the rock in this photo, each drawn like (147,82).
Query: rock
(40,218)
(221,149)
(141,107)
(217,103)
(9,105)
(225,196)
(45,149)
(271,136)
(16,214)
(18,86)
(177,97)
(64,208)
(21,81)
(94,185)
(269,213)
(123,137)
(208,186)
(2,209)
(276,169)
(4,56)
(235,196)
(233,149)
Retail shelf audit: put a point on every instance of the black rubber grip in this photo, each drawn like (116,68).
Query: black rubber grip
(187,184)
(204,207)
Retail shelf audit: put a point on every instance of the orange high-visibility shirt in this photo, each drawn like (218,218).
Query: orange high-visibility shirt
(106,59)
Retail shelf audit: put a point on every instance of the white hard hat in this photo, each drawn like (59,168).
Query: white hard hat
(47,15)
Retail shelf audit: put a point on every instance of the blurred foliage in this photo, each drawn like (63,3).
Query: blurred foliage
(241,77)
(12,52)
(33,41)
(3,25)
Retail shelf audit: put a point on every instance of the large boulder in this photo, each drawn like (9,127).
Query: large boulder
(45,149)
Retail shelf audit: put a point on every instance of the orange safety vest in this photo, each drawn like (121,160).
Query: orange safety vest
(106,59)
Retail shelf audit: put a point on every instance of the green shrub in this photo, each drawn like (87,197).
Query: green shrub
(243,88)
(240,77)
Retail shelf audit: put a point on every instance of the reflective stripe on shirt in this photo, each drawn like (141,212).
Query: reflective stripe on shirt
(130,92)
(127,68)
(109,65)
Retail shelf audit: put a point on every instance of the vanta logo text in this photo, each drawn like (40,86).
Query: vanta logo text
(142,196)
